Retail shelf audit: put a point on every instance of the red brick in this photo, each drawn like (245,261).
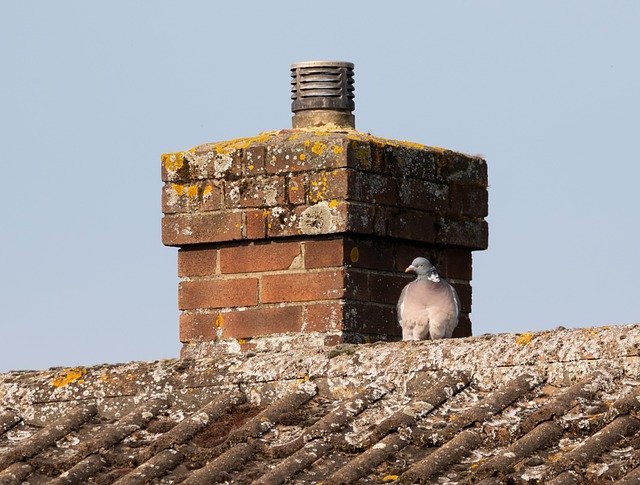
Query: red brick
(372,188)
(321,218)
(286,159)
(371,318)
(468,200)
(324,253)
(424,195)
(464,327)
(174,167)
(199,326)
(464,293)
(410,162)
(359,153)
(357,285)
(307,153)
(458,264)
(386,287)
(360,217)
(217,293)
(370,253)
(255,192)
(201,163)
(470,234)
(296,189)
(463,169)
(226,163)
(197,262)
(328,185)
(255,223)
(323,317)
(283,221)
(275,255)
(327,285)
(414,225)
(382,215)
(211,195)
(328,341)
(178,198)
(254,157)
(178,230)
(255,322)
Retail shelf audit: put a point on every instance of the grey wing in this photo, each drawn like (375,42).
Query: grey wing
(400,305)
(454,321)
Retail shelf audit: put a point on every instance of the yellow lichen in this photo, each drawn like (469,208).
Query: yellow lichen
(242,341)
(219,320)
(390,478)
(225,147)
(318,148)
(333,204)
(177,188)
(302,157)
(383,142)
(192,191)
(307,143)
(250,167)
(524,339)
(207,190)
(69,376)
(173,161)
(265,213)
(337,149)
(554,457)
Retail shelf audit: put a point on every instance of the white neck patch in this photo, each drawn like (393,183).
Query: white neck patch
(434,277)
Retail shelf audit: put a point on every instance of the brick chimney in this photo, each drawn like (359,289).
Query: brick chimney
(303,234)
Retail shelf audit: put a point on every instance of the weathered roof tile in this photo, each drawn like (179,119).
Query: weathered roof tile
(489,410)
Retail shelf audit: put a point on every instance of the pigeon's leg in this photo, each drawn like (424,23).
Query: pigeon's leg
(438,332)
(421,332)
(407,332)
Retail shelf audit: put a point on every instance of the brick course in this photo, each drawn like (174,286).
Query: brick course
(197,262)
(308,286)
(217,293)
(260,257)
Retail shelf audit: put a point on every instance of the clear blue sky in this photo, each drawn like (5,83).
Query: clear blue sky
(92,93)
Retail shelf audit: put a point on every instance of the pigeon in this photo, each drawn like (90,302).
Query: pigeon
(428,307)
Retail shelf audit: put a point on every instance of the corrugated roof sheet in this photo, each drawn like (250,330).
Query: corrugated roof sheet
(554,407)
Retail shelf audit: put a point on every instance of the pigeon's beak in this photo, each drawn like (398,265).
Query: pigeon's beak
(410,269)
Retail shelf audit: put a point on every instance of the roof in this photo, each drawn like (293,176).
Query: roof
(555,407)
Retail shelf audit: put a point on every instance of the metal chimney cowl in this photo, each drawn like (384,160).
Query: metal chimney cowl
(322,95)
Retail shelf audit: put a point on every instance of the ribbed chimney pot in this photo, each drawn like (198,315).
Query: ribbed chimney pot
(322,94)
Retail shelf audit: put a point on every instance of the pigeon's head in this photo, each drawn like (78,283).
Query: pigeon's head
(421,267)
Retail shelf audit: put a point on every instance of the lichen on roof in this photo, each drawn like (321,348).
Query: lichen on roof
(518,408)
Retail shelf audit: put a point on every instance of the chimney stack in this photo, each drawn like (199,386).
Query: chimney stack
(300,236)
